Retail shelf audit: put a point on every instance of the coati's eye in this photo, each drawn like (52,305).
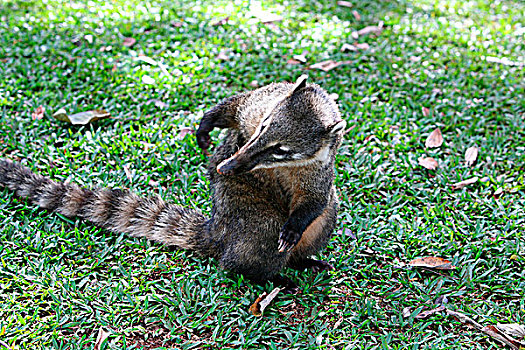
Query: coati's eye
(279,152)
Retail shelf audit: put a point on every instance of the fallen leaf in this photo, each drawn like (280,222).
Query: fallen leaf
(426,111)
(128,173)
(471,155)
(254,83)
(222,56)
(160,104)
(512,329)
(292,61)
(435,139)
(268,17)
(102,335)
(432,262)
(129,42)
(38,113)
(498,335)
(464,318)
(327,65)
(498,192)
(345,3)
(356,14)
(428,163)
(81,118)
(184,131)
(406,312)
(464,183)
(505,61)
(428,313)
(146,79)
(222,21)
(257,308)
(300,58)
(354,48)
(376,30)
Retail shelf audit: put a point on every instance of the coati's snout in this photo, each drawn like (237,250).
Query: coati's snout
(235,165)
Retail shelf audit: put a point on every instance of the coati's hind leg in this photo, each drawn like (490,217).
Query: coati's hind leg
(314,239)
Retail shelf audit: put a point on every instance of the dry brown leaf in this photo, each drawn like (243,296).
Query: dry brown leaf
(464,318)
(498,335)
(428,313)
(327,65)
(428,163)
(257,308)
(102,335)
(268,17)
(512,329)
(38,113)
(376,30)
(183,132)
(471,155)
(345,3)
(432,262)
(356,14)
(81,118)
(356,47)
(464,183)
(292,61)
(222,21)
(128,173)
(129,42)
(300,58)
(223,56)
(426,111)
(435,139)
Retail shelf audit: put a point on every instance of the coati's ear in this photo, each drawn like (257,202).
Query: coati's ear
(338,127)
(299,84)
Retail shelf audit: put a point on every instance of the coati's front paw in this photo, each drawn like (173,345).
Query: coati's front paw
(288,238)
(203,137)
(203,132)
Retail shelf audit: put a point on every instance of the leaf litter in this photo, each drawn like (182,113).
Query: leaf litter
(257,308)
(38,113)
(428,163)
(471,155)
(464,183)
(435,139)
(432,262)
(81,118)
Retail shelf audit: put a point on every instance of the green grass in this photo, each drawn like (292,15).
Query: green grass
(61,280)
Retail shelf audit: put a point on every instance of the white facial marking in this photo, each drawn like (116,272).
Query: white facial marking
(284,148)
(323,156)
(278,156)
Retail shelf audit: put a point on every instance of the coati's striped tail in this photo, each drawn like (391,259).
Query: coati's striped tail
(114,209)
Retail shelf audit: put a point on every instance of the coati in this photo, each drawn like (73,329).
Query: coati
(274,202)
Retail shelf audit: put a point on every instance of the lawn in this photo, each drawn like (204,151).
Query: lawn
(156,66)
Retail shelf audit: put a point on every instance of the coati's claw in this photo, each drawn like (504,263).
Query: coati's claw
(320,266)
(288,239)
(315,265)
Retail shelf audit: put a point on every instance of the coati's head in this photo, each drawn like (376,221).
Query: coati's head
(300,128)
